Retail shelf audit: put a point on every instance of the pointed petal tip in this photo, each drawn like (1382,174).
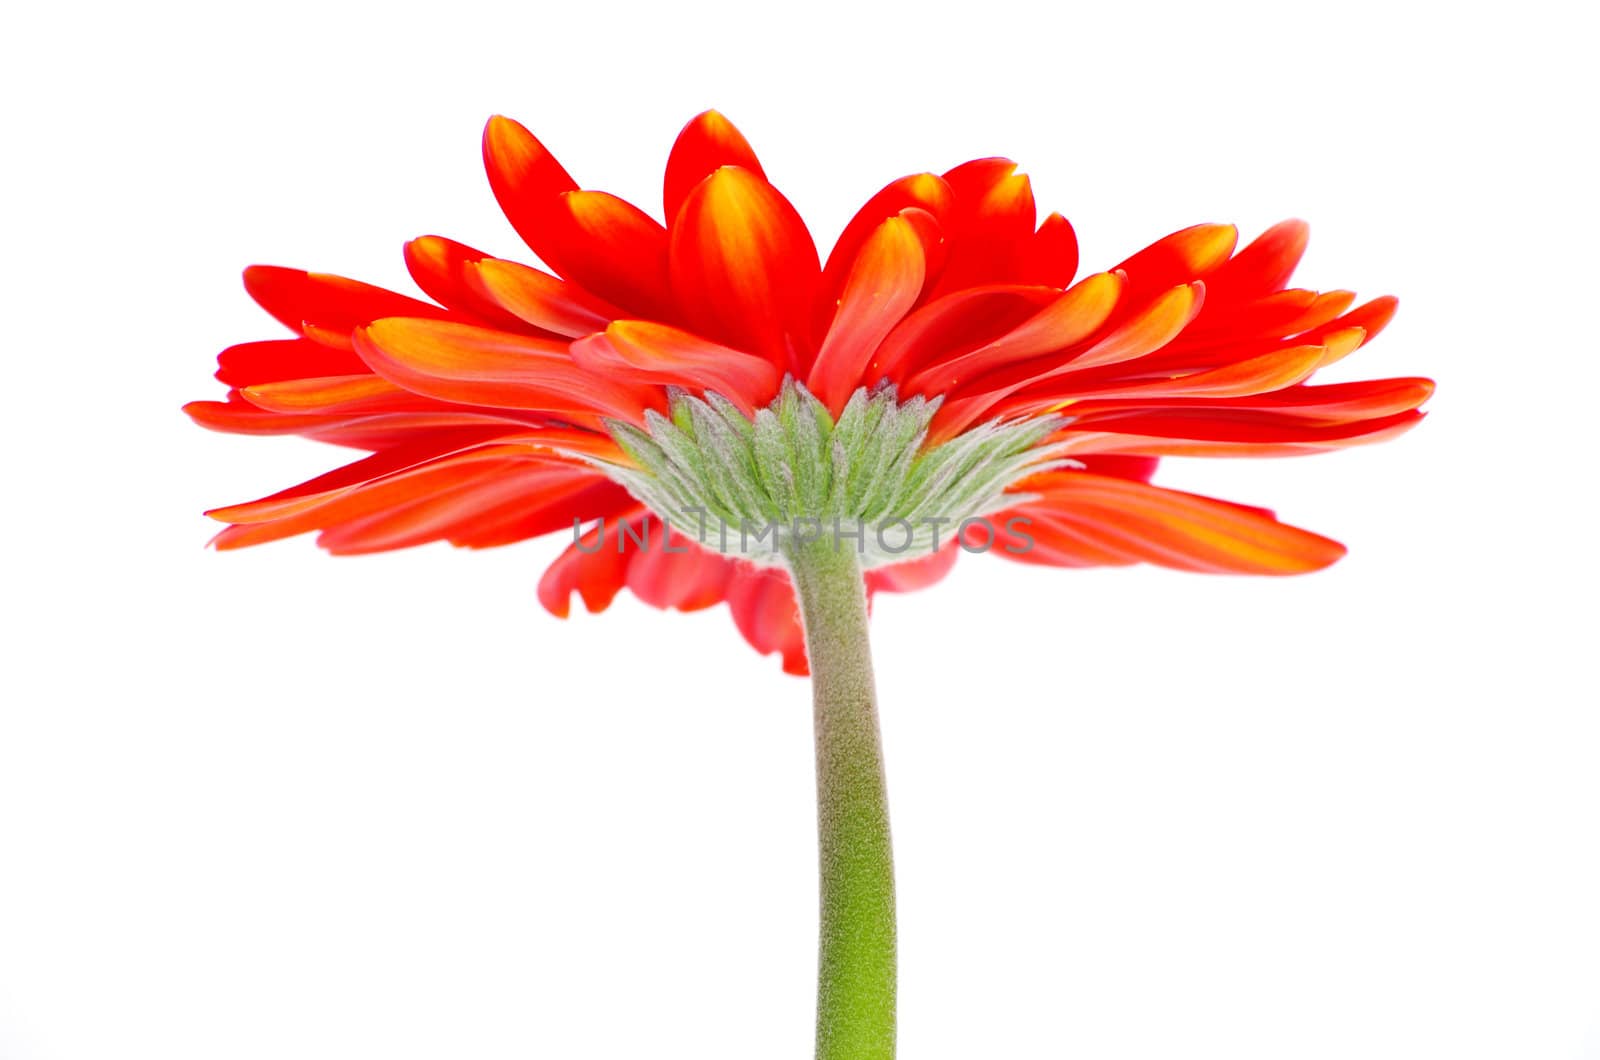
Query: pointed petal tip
(258,278)
(1221,235)
(499,126)
(1320,554)
(1291,229)
(711,117)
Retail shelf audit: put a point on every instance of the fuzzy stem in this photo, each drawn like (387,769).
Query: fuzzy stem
(856,958)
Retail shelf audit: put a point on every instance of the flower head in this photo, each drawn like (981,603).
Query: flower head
(941,368)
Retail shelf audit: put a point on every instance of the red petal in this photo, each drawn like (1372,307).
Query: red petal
(646,352)
(297,298)
(512,504)
(992,395)
(1371,318)
(1180,530)
(1034,534)
(319,490)
(533,297)
(1232,434)
(1051,257)
(924,191)
(1335,403)
(913,575)
(480,366)
(275,360)
(422,492)
(351,394)
(238,416)
(445,270)
(676,573)
(1262,267)
(596,565)
(743,266)
(1179,258)
(955,324)
(526,179)
(990,224)
(705,145)
(763,605)
(1065,322)
(884,284)
(612,248)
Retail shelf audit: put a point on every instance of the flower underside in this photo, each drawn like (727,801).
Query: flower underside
(757,488)
(514,401)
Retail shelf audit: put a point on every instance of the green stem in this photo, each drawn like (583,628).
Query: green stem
(856,959)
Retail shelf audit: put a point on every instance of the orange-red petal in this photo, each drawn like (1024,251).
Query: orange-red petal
(481,366)
(1175,529)
(526,178)
(1068,320)
(743,266)
(274,360)
(885,282)
(1051,256)
(538,298)
(646,352)
(922,191)
(705,145)
(332,303)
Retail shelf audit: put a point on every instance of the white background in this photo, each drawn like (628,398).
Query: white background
(274,804)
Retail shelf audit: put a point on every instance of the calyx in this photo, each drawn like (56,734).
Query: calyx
(793,476)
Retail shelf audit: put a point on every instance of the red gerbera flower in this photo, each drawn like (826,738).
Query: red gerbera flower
(520,402)
(940,376)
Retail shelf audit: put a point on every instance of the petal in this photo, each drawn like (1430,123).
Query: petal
(954,324)
(743,266)
(1257,375)
(764,609)
(1180,258)
(537,298)
(1147,330)
(512,503)
(341,393)
(923,191)
(705,145)
(991,224)
(444,269)
(275,360)
(1371,318)
(1036,536)
(1333,403)
(425,489)
(317,491)
(675,573)
(885,282)
(297,298)
(386,430)
(913,575)
(646,352)
(1038,384)
(480,366)
(1051,257)
(238,416)
(595,566)
(530,515)
(611,248)
(1179,530)
(1065,322)
(526,179)
(1231,434)
(1262,267)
